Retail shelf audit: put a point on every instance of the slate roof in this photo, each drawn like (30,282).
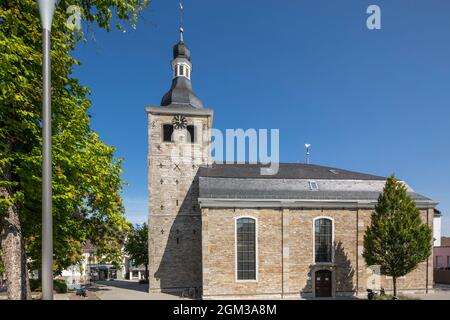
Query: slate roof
(180,50)
(181,94)
(285,171)
(232,188)
(243,181)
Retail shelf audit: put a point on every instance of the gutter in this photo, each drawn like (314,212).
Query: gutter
(298,203)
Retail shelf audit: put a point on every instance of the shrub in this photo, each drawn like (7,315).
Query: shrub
(59,286)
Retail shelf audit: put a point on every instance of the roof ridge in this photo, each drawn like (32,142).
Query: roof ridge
(286,171)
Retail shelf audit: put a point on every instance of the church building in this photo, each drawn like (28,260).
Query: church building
(224,231)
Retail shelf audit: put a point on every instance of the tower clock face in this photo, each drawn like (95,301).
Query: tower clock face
(179,122)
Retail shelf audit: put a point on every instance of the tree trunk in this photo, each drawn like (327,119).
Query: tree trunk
(13,251)
(146,271)
(394,282)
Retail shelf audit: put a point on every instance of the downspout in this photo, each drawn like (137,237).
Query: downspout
(428,258)
(357,251)
(282,253)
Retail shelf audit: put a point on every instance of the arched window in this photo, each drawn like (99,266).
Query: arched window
(323,240)
(246,248)
(182,70)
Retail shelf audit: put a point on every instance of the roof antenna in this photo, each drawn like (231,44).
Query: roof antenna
(307,145)
(181,22)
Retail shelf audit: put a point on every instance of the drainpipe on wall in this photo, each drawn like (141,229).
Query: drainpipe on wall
(357,251)
(282,253)
(428,258)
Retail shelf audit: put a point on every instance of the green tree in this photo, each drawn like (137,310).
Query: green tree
(86,175)
(136,246)
(397,240)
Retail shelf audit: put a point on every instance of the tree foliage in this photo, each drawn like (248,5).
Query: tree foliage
(136,245)
(397,239)
(86,174)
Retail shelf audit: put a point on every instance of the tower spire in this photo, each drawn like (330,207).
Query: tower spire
(181,22)
(180,93)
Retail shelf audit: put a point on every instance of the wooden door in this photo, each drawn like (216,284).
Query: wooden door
(323,283)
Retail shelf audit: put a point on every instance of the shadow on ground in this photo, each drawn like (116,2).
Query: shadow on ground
(122,284)
(125,290)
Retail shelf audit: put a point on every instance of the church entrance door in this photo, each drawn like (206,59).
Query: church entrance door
(323,283)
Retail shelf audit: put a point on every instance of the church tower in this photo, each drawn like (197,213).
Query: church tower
(179,138)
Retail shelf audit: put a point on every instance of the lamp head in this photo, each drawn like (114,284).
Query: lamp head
(46,10)
(307,145)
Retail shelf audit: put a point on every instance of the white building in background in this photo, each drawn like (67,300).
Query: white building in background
(90,270)
(437,233)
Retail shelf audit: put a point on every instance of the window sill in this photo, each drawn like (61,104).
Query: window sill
(323,265)
(246,281)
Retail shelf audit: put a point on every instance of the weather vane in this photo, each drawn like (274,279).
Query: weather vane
(307,146)
(181,21)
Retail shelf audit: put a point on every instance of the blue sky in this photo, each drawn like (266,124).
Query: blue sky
(372,101)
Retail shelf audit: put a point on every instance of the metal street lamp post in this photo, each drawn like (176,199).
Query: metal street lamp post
(46,10)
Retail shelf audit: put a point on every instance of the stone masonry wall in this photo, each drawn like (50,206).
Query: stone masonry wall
(285,253)
(174,214)
(219,277)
